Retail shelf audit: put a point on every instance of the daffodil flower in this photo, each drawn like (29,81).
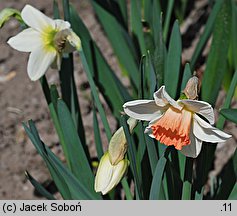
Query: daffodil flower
(46,40)
(177,123)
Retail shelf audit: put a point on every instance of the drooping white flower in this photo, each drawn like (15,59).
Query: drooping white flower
(46,40)
(177,122)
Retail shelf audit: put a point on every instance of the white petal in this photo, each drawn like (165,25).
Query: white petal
(39,62)
(162,99)
(145,110)
(104,173)
(200,107)
(193,149)
(26,41)
(118,173)
(35,18)
(205,132)
(61,24)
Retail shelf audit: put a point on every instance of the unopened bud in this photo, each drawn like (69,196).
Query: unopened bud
(118,143)
(108,175)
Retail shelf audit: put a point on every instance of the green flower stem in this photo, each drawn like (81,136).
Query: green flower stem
(126,188)
(95,95)
(53,113)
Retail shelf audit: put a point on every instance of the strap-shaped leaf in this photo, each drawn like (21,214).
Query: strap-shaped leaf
(79,164)
(39,187)
(120,41)
(217,58)
(172,69)
(67,184)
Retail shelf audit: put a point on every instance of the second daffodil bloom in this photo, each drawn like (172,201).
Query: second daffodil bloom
(46,40)
(177,123)
(113,165)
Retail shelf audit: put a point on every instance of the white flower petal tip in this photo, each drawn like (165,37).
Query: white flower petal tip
(108,176)
(145,110)
(205,132)
(25,41)
(35,18)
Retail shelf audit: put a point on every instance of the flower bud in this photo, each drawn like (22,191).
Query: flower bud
(118,143)
(108,175)
(191,89)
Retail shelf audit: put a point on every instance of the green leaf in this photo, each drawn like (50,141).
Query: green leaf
(228,178)
(56,13)
(155,20)
(77,158)
(160,53)
(39,187)
(217,58)
(136,25)
(204,163)
(152,152)
(7,13)
(67,184)
(227,103)
(125,49)
(156,186)
(106,80)
(54,95)
(95,95)
(173,179)
(98,142)
(172,68)
(57,177)
(187,182)
(132,158)
(122,4)
(206,34)
(230,114)
(233,195)
(150,71)
(167,18)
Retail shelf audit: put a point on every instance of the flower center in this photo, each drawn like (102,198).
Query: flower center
(60,39)
(48,36)
(173,128)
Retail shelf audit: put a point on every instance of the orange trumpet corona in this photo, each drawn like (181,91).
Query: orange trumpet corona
(173,128)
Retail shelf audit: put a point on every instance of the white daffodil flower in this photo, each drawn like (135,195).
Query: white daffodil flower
(108,175)
(46,40)
(177,122)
